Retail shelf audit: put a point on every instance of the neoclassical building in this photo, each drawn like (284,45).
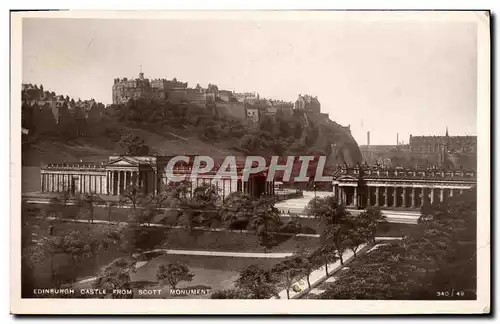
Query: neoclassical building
(148,172)
(361,187)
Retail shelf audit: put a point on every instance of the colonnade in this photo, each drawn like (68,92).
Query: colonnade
(393,196)
(118,181)
(73,182)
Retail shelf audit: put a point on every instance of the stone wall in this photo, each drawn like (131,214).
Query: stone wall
(231,109)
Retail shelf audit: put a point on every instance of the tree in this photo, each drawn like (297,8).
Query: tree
(116,276)
(357,233)
(76,247)
(370,220)
(138,239)
(71,245)
(173,273)
(327,209)
(204,197)
(177,193)
(133,145)
(257,282)
(54,207)
(308,263)
(323,255)
(336,235)
(109,206)
(90,202)
(288,271)
(143,216)
(132,194)
(158,200)
(265,221)
(237,210)
(229,294)
(417,267)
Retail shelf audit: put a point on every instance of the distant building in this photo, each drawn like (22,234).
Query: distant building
(147,172)
(308,103)
(446,149)
(45,112)
(126,89)
(252,113)
(160,88)
(227,96)
(242,97)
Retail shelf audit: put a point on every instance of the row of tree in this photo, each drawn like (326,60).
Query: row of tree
(342,231)
(439,263)
(192,208)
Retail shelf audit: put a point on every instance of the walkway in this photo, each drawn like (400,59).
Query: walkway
(295,207)
(271,255)
(319,275)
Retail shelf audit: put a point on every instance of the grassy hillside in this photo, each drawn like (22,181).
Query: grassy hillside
(169,129)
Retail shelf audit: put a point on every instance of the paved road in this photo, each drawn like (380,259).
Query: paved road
(296,207)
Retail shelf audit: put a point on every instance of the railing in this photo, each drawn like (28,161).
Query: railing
(73,166)
(405,173)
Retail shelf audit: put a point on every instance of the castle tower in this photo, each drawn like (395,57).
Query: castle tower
(141,74)
(368,138)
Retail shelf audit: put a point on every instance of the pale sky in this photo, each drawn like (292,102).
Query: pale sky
(400,77)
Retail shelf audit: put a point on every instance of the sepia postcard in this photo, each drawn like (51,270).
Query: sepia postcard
(250,162)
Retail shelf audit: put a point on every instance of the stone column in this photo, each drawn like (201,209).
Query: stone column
(124,181)
(118,185)
(355,197)
(51,182)
(108,183)
(377,194)
(368,198)
(341,196)
(403,201)
(413,193)
(386,197)
(441,194)
(155,183)
(112,184)
(395,197)
(451,192)
(422,196)
(432,195)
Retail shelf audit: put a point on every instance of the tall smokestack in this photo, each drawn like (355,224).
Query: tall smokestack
(397,138)
(368,137)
